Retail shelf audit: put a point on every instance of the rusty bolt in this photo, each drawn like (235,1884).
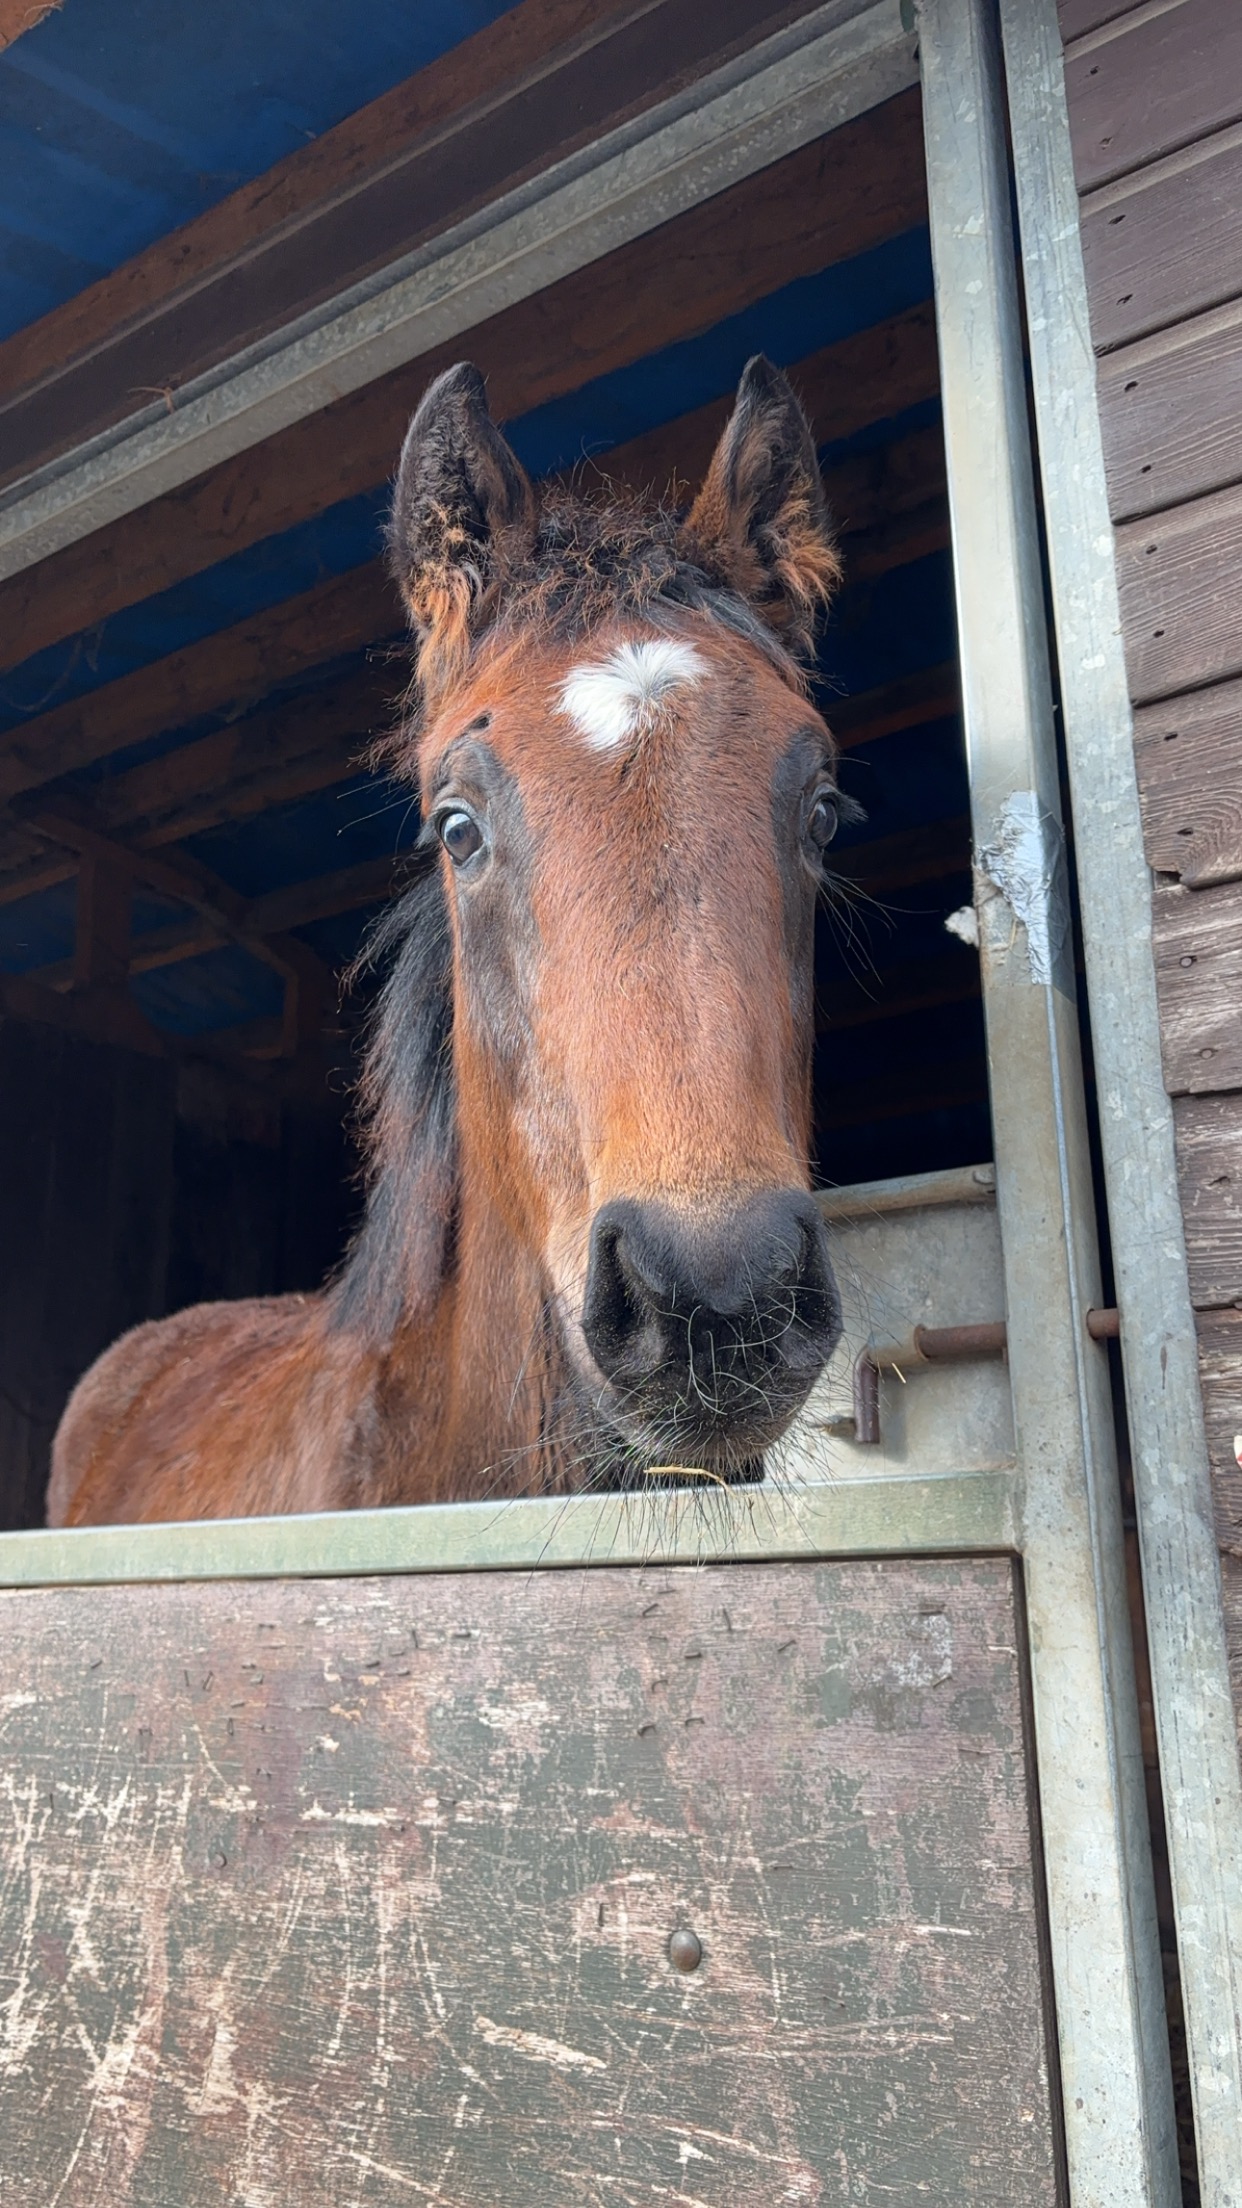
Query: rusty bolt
(685,1951)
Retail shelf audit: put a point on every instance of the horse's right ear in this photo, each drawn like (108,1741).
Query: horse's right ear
(462,510)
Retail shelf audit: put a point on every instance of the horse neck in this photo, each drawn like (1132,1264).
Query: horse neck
(472,1379)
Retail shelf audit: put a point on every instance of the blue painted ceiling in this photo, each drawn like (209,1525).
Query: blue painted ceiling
(120,120)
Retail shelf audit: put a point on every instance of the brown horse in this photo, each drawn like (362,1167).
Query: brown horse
(589,1249)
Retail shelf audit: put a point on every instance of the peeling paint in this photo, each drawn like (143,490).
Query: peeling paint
(1025,862)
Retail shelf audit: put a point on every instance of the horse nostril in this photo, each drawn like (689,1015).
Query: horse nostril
(617,1307)
(670,1300)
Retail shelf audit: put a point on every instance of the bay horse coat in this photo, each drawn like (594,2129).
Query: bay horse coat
(589,1249)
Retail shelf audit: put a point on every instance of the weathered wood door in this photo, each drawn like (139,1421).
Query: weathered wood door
(348,1892)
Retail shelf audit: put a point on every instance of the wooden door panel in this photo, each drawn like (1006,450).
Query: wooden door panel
(353,1892)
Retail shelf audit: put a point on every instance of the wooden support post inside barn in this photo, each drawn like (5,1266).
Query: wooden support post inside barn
(103,933)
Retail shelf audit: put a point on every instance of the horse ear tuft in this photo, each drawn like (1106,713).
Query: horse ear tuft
(761,520)
(462,511)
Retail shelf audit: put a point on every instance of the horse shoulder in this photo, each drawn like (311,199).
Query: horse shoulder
(224,1409)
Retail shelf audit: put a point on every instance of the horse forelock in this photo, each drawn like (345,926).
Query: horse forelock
(596,560)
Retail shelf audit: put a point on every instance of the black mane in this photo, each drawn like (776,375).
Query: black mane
(408,1112)
(610,555)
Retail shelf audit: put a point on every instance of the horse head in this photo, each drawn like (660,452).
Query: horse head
(600,1029)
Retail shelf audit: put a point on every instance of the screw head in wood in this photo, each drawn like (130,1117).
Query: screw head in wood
(685,1950)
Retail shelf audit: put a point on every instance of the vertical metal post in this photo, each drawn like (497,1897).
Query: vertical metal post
(1105,1954)
(1181,1572)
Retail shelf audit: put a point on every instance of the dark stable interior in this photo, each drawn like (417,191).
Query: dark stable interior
(217,1162)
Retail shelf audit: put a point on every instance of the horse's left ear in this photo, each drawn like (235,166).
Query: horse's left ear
(761,520)
(462,510)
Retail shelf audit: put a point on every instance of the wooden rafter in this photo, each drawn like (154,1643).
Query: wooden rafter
(111,1018)
(891,862)
(238,665)
(495,110)
(292,750)
(257,921)
(824,204)
(903,482)
(103,922)
(308,984)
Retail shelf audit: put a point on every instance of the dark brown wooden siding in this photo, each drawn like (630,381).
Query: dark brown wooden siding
(131,1186)
(1155,102)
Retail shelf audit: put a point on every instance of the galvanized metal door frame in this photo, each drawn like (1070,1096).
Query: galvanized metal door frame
(1181,1568)
(1060,1512)
(1111,2028)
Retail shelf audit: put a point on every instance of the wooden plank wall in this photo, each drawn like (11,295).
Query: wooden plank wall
(1155,103)
(86,1133)
(132,1186)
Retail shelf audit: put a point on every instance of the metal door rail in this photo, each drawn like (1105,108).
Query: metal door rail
(1111,2030)
(945,1514)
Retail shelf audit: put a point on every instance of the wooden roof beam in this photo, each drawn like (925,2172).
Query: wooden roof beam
(527,90)
(228,670)
(213,780)
(305,978)
(360,607)
(260,919)
(784,94)
(109,1018)
(822,205)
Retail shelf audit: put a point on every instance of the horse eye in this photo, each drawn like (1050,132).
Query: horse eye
(821,825)
(461,836)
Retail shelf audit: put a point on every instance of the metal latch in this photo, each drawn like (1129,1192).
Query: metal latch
(940,1345)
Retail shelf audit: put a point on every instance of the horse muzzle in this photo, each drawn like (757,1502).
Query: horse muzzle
(710,1330)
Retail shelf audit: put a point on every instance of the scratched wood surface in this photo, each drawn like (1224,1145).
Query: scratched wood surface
(346,1893)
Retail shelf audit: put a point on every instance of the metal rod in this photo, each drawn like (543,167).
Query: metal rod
(1104,1326)
(1120,2139)
(929,1345)
(943,1344)
(962,1184)
(790,88)
(1172,1481)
